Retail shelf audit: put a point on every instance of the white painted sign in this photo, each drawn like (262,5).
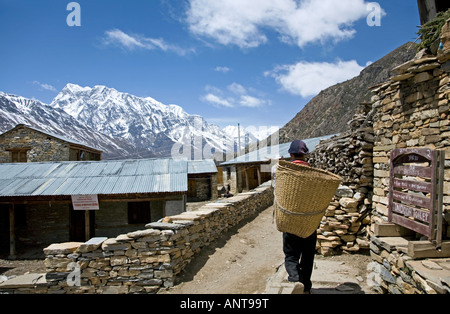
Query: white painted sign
(85,202)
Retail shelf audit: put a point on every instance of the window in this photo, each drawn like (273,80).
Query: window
(18,155)
(139,213)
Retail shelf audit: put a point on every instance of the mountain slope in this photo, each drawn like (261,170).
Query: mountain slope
(331,110)
(144,123)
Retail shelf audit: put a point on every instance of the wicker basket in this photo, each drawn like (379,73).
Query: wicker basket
(302,196)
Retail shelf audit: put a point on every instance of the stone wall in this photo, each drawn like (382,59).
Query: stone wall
(143,261)
(344,227)
(412,111)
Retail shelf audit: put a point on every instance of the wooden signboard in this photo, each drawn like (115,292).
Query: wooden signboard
(415,191)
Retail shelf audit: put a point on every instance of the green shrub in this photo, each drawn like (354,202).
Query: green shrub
(431,31)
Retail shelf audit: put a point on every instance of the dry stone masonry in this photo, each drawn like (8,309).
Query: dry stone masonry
(142,261)
(412,111)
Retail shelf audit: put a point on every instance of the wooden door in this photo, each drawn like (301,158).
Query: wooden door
(77,225)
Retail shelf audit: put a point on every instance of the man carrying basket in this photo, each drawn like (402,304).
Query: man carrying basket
(302,195)
(299,252)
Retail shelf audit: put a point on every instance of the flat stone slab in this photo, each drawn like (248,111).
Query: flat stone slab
(62,248)
(163,226)
(219,204)
(393,243)
(91,245)
(144,233)
(185,216)
(113,245)
(329,277)
(434,270)
(204,211)
(24,281)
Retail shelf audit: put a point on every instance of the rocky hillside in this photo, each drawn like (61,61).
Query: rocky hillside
(331,110)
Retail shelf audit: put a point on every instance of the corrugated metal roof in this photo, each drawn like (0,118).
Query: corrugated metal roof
(201,166)
(93,177)
(273,152)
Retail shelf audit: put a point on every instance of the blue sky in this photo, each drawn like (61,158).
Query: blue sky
(253,62)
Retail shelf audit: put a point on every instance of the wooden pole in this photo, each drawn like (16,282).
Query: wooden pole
(12,236)
(440,190)
(246,179)
(258,170)
(87,225)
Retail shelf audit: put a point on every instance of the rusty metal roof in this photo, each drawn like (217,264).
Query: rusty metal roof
(93,177)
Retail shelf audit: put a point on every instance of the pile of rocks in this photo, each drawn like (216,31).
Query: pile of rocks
(350,156)
(344,227)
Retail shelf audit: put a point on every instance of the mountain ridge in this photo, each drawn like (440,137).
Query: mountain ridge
(330,111)
(120,124)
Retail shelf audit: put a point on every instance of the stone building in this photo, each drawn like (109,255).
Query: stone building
(28,144)
(202,180)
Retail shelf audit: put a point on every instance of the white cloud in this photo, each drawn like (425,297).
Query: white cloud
(222,69)
(237,89)
(119,38)
(310,78)
(242,23)
(217,100)
(238,96)
(250,101)
(45,86)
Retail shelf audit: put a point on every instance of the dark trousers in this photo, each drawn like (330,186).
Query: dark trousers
(299,258)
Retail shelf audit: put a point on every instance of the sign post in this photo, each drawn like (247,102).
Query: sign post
(86,203)
(416,191)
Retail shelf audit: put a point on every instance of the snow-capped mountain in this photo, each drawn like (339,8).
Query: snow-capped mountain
(124,125)
(143,122)
(19,110)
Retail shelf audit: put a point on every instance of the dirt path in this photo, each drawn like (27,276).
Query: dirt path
(240,263)
(249,255)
